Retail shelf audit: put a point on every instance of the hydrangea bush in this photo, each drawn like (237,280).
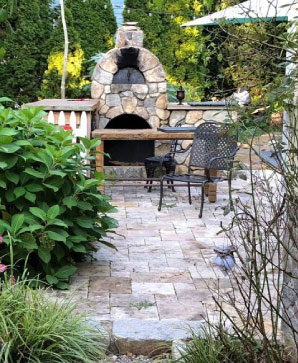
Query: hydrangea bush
(51,211)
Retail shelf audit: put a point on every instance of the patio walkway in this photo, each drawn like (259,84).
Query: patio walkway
(164,262)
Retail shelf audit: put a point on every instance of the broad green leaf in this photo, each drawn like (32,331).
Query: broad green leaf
(9,148)
(109,222)
(17,222)
(5,99)
(78,239)
(86,142)
(37,212)
(62,285)
(12,177)
(8,132)
(2,184)
(19,191)
(44,254)
(70,202)
(31,197)
(66,271)
(5,225)
(85,205)
(57,222)
(35,173)
(85,222)
(52,280)
(53,211)
(34,188)
(3,165)
(23,143)
(56,236)
(79,248)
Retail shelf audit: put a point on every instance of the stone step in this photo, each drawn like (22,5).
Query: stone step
(151,337)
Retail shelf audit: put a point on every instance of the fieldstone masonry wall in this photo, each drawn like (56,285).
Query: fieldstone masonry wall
(147,100)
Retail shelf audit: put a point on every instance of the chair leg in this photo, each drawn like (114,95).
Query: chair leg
(189,195)
(161,194)
(202,200)
(150,174)
(170,170)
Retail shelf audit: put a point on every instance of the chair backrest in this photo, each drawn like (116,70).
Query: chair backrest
(175,143)
(211,140)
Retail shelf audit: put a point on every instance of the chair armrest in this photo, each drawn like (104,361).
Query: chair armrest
(229,158)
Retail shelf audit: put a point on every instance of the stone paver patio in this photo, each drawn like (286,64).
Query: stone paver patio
(164,261)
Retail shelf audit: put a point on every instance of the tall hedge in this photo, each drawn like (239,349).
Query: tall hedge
(22,67)
(182,51)
(95,23)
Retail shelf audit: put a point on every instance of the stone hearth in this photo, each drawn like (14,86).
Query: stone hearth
(130,80)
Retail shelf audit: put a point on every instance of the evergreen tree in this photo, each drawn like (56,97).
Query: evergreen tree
(24,62)
(95,23)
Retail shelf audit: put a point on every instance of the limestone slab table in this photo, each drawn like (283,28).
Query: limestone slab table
(142,134)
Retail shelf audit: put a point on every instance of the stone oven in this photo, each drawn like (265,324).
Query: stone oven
(131,85)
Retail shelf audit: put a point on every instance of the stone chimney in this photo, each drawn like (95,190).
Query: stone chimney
(130,35)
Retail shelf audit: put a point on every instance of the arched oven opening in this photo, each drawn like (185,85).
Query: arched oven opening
(128,152)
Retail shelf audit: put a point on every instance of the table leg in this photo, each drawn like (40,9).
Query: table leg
(100,162)
(212,188)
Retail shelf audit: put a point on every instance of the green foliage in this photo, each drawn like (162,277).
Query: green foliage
(6,12)
(50,207)
(95,24)
(26,51)
(182,51)
(217,345)
(36,328)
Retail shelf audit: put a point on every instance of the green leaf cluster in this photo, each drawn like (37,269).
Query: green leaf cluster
(49,205)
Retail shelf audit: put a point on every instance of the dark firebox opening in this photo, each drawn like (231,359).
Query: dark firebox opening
(130,152)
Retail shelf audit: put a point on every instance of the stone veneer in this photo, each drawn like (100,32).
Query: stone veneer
(147,100)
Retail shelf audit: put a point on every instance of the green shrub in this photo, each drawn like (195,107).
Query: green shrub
(39,329)
(49,206)
(217,345)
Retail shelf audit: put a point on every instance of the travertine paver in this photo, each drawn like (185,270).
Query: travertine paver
(164,261)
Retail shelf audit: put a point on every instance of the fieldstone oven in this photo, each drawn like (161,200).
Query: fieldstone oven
(131,85)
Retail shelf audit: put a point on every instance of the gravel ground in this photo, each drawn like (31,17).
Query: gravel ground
(135,359)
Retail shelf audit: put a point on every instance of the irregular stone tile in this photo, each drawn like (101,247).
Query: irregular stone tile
(153,288)
(110,284)
(129,312)
(129,299)
(161,277)
(182,310)
(93,270)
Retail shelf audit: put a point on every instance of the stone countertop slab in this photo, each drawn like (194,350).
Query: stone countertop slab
(66,105)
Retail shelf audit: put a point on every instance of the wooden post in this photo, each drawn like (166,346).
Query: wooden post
(210,189)
(100,162)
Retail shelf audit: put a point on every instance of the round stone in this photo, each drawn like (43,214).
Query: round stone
(142,112)
(139,88)
(193,116)
(154,121)
(156,74)
(186,143)
(96,89)
(162,102)
(113,100)
(176,116)
(114,112)
(162,114)
(129,104)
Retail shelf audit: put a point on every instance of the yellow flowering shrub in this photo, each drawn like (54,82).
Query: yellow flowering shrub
(74,78)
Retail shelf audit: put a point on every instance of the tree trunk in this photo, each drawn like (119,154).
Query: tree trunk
(64,72)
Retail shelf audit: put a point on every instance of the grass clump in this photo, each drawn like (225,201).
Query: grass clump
(217,346)
(37,329)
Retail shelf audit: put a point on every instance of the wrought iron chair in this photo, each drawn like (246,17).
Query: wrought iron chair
(166,161)
(214,147)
